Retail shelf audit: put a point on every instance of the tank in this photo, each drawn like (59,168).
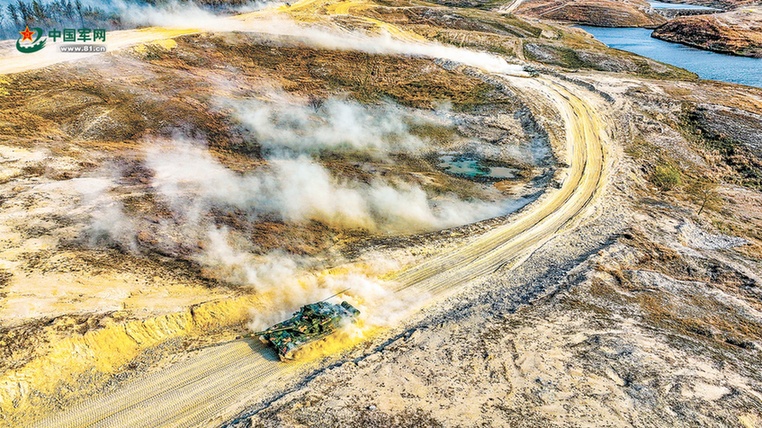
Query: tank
(311,323)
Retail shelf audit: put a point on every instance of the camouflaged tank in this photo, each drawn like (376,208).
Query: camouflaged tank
(313,322)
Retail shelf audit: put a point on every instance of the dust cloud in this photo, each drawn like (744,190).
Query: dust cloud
(108,221)
(301,189)
(293,186)
(290,185)
(188,15)
(331,125)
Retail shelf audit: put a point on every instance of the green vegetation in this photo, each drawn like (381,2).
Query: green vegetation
(698,187)
(556,55)
(704,194)
(53,14)
(646,69)
(666,177)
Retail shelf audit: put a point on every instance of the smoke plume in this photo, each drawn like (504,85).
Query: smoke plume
(108,221)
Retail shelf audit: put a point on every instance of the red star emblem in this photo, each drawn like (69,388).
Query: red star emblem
(26,34)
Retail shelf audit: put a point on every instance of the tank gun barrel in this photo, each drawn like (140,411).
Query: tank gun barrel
(342,291)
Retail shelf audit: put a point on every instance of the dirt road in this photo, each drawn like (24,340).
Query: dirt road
(508,243)
(215,384)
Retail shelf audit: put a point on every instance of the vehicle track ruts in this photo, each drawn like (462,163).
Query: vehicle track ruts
(218,381)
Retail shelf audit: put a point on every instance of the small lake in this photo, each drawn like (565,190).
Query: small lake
(708,65)
(471,167)
(678,6)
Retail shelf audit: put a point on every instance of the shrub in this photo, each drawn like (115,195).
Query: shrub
(666,177)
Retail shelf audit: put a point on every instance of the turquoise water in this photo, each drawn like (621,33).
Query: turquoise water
(708,65)
(676,6)
(472,168)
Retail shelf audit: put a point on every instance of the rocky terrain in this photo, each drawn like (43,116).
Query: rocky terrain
(629,13)
(163,200)
(738,32)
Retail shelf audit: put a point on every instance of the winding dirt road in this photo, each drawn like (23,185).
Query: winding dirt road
(216,383)
(509,243)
